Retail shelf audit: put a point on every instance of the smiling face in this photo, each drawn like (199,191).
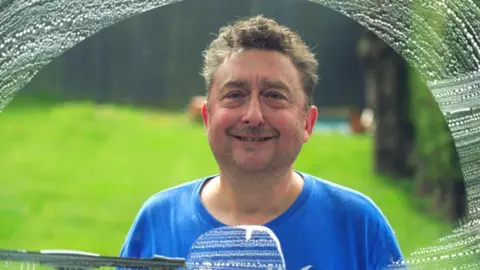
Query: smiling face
(255,118)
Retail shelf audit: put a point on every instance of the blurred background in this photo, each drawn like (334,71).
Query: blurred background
(115,119)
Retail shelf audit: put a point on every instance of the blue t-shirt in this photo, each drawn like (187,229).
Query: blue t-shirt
(327,227)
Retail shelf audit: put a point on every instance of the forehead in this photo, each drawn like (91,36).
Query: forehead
(256,66)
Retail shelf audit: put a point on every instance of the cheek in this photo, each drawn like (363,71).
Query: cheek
(285,122)
(222,119)
(289,126)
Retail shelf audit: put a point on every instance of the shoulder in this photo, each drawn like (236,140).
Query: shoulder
(156,217)
(344,199)
(358,211)
(349,207)
(178,194)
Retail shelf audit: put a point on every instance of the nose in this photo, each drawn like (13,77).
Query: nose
(253,115)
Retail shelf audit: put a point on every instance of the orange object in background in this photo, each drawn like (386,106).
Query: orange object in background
(356,125)
(195,108)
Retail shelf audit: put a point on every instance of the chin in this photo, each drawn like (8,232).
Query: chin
(252,166)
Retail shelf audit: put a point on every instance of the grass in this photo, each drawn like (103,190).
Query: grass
(73,175)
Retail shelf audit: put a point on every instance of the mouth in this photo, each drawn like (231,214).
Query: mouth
(253,139)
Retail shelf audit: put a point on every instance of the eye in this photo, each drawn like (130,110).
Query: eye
(274,95)
(234,95)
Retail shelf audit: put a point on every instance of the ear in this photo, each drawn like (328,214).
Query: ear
(205,114)
(310,122)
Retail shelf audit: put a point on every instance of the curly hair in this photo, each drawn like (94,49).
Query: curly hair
(259,32)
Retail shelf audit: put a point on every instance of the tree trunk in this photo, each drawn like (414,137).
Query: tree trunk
(388,97)
(453,199)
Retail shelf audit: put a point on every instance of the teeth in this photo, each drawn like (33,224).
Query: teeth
(252,139)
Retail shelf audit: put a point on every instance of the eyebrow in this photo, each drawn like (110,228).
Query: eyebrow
(245,84)
(266,83)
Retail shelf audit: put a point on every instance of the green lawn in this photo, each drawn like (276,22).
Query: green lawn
(72,176)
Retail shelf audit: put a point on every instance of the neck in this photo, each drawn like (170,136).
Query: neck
(251,198)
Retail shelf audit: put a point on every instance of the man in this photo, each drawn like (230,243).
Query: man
(260,77)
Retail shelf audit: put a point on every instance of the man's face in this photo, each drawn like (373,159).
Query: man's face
(255,117)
